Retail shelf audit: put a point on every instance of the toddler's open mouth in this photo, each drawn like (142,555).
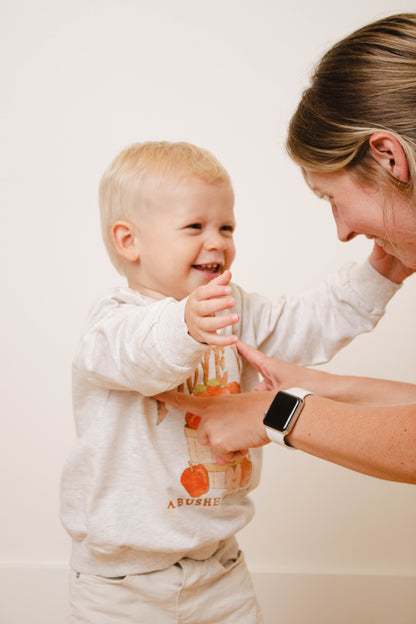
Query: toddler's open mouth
(207,268)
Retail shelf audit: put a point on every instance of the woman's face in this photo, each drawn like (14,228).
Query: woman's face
(387,218)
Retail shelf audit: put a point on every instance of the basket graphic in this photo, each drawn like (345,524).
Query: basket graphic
(199,454)
(229,477)
(213,378)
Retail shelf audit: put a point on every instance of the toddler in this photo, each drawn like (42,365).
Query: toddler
(151,515)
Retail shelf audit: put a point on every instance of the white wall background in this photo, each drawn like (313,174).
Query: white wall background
(82,79)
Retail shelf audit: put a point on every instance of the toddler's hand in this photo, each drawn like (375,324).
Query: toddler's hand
(388,265)
(201,307)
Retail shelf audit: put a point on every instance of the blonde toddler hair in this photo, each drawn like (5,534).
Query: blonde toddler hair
(123,185)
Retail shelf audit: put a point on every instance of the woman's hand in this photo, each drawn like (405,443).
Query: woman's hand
(230,423)
(233,423)
(281,375)
(277,374)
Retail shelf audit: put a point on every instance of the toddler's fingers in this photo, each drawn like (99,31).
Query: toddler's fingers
(217,287)
(211,291)
(224,278)
(211,324)
(207,307)
(217,340)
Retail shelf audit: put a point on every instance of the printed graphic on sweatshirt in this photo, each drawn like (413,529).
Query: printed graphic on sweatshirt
(217,374)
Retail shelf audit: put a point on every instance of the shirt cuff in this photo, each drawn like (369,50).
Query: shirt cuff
(371,286)
(178,347)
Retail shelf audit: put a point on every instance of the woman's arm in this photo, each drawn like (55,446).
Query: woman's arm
(279,374)
(375,440)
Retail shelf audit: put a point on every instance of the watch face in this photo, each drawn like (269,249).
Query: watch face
(281,411)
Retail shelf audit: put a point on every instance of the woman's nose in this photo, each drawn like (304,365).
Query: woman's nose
(345,233)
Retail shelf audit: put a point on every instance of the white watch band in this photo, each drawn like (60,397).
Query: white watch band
(299,392)
(278,436)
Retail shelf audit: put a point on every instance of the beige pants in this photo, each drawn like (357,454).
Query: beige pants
(214,591)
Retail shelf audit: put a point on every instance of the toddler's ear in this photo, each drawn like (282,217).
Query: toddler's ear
(123,234)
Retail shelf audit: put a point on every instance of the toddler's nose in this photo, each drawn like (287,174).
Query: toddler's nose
(214,242)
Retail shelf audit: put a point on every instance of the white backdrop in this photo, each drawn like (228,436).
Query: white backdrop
(81,80)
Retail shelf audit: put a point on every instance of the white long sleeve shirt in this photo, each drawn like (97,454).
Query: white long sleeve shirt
(138,492)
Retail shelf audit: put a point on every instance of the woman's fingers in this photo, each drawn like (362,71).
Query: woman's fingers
(189,402)
(253,355)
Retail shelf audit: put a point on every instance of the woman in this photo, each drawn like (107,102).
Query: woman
(354,136)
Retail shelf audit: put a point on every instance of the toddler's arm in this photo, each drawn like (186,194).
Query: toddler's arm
(310,328)
(201,308)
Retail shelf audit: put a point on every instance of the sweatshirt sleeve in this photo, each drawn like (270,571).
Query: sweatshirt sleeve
(311,328)
(143,348)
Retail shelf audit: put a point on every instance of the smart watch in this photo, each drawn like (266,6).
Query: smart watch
(283,413)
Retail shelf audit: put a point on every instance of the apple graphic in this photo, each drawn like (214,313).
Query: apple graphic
(212,388)
(195,480)
(192,420)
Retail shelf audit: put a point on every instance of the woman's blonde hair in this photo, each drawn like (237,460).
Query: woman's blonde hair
(364,84)
(122,186)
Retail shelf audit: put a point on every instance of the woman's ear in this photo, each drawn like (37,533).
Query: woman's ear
(125,240)
(389,153)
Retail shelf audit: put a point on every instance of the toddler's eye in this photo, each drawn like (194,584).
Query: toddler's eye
(227,228)
(194,226)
